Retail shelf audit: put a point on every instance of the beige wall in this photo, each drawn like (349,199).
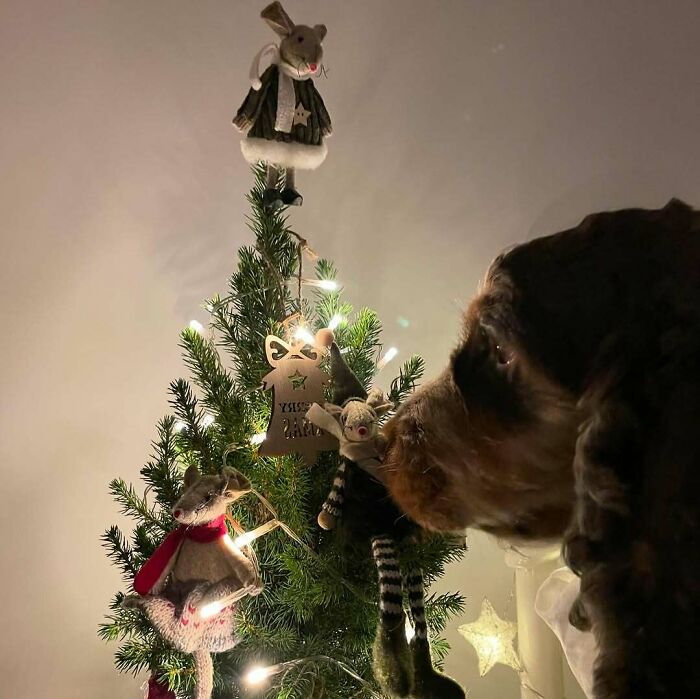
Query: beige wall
(461,127)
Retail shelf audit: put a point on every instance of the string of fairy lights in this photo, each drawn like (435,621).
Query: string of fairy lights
(258,675)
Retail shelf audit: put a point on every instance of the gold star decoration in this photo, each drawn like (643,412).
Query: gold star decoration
(492,638)
(301,116)
(298,380)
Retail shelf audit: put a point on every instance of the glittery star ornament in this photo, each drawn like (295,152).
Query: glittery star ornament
(301,116)
(492,638)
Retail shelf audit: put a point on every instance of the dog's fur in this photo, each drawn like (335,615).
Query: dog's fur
(571,409)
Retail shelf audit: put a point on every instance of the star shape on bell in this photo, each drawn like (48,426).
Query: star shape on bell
(298,380)
(301,116)
(492,638)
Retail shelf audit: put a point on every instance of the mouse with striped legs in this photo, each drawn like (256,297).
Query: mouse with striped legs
(360,504)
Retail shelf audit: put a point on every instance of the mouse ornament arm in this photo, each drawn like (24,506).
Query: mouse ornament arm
(249,111)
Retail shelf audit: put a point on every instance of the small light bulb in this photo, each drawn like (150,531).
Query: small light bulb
(258,438)
(179,426)
(208,420)
(410,631)
(243,539)
(388,356)
(495,643)
(302,333)
(211,609)
(257,675)
(335,321)
(197,327)
(327,284)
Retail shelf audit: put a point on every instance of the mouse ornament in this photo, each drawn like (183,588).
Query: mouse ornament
(283,116)
(188,587)
(367,517)
(296,381)
(354,425)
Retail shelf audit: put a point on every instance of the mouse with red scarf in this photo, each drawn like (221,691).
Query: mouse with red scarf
(187,588)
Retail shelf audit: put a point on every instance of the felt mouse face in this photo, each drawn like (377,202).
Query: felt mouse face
(358,418)
(301,45)
(207,497)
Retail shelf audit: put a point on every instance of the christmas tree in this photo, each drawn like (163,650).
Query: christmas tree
(314,624)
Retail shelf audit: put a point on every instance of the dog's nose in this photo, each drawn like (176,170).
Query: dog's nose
(362,431)
(312,67)
(177,514)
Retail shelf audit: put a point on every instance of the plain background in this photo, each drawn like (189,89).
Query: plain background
(460,128)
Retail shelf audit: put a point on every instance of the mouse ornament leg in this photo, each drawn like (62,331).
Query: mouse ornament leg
(283,116)
(427,682)
(392,661)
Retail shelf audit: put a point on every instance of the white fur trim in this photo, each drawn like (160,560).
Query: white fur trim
(283,154)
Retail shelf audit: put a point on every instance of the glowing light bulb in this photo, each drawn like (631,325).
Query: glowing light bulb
(211,609)
(197,327)
(208,420)
(244,539)
(302,333)
(258,438)
(179,426)
(410,631)
(328,284)
(388,356)
(257,675)
(335,321)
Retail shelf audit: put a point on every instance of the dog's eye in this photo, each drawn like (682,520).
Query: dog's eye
(499,352)
(502,355)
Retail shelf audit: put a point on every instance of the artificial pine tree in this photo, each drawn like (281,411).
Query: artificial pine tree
(320,609)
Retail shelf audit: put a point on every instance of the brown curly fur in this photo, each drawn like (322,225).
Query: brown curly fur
(571,409)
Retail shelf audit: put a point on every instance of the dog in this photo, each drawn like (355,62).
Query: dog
(571,410)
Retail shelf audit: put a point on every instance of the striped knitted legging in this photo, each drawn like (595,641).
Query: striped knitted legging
(334,502)
(392,586)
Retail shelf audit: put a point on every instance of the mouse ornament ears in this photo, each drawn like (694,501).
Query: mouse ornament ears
(296,381)
(281,23)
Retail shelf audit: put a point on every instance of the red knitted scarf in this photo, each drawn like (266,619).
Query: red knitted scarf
(153,568)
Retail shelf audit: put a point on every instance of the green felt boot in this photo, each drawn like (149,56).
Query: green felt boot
(391,660)
(428,683)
